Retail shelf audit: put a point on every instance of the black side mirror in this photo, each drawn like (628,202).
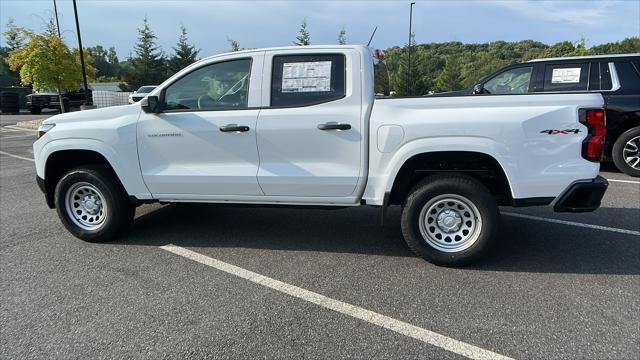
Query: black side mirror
(151,104)
(478,89)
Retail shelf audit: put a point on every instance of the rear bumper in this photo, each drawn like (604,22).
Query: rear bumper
(582,196)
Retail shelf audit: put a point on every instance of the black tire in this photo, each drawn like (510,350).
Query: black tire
(618,151)
(118,210)
(67,106)
(466,193)
(35,110)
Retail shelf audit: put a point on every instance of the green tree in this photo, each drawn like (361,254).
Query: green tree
(342,37)
(303,37)
(450,78)
(233,45)
(114,63)
(148,65)
(184,54)
(15,37)
(45,62)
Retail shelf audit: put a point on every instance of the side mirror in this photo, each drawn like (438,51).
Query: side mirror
(151,104)
(478,89)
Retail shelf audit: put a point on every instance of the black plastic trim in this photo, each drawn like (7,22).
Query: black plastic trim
(534,201)
(583,196)
(47,195)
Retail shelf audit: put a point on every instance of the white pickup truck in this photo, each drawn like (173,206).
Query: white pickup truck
(300,126)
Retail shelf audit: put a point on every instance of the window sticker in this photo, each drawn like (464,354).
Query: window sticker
(565,76)
(312,76)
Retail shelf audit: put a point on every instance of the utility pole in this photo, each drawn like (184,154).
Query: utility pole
(84,71)
(55,10)
(408,50)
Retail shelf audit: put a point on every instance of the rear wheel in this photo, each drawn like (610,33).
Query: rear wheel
(35,110)
(626,152)
(92,204)
(450,219)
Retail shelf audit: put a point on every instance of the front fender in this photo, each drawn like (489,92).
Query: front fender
(125,165)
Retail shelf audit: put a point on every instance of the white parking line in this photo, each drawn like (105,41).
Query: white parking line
(16,156)
(400,327)
(624,181)
(556,221)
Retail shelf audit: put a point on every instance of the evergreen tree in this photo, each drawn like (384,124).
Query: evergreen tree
(114,63)
(15,37)
(450,78)
(303,38)
(148,64)
(233,45)
(184,55)
(342,37)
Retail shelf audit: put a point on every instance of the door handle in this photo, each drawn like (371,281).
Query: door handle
(334,126)
(234,128)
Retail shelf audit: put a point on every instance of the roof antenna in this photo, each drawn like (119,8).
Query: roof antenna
(371,38)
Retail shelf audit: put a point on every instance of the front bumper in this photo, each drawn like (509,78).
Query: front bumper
(582,196)
(47,194)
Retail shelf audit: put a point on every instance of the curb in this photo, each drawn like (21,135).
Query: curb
(29,124)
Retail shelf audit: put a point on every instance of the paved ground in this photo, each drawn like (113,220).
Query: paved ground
(550,291)
(13,119)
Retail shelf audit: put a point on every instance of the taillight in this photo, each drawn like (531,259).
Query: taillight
(593,145)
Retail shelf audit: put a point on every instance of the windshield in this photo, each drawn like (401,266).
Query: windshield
(146,89)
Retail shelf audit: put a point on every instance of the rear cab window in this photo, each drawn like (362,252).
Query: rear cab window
(303,80)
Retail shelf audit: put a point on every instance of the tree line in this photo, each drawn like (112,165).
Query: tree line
(434,67)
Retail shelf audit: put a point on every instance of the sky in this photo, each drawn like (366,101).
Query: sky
(256,24)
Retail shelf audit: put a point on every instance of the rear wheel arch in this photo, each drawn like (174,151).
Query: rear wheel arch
(61,161)
(481,166)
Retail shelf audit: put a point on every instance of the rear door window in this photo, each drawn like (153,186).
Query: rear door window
(302,80)
(566,77)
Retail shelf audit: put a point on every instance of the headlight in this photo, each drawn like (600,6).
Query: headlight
(44,128)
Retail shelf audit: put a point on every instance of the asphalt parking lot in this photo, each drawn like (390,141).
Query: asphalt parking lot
(288,283)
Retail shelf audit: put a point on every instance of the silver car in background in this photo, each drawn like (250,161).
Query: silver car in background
(141,93)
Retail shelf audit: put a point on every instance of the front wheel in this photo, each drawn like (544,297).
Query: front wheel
(92,204)
(450,219)
(35,110)
(626,152)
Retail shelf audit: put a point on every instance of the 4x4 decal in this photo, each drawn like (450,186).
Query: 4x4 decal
(560,132)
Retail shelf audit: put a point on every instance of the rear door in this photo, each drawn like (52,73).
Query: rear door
(310,131)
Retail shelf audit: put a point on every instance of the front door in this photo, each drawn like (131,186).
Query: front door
(204,142)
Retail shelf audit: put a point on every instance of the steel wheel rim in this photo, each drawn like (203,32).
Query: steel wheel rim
(450,223)
(631,152)
(86,206)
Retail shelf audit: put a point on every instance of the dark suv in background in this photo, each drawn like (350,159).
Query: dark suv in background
(616,77)
(50,100)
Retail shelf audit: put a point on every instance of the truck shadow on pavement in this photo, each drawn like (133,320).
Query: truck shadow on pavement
(524,245)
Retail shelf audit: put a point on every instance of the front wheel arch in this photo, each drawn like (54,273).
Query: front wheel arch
(59,162)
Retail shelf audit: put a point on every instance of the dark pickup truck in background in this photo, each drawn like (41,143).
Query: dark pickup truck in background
(616,77)
(50,100)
